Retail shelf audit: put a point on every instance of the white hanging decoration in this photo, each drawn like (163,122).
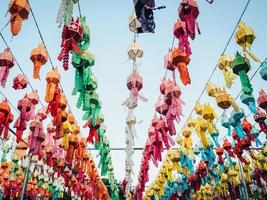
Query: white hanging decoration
(135,52)
(65,12)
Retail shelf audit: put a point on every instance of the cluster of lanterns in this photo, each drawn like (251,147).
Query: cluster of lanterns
(230,168)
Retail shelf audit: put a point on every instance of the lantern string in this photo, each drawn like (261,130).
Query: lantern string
(79,8)
(5,26)
(259,67)
(12,105)
(216,66)
(20,68)
(50,60)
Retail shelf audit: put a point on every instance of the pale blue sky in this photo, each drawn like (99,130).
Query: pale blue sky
(110,38)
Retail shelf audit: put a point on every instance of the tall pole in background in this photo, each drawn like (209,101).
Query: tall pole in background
(26,177)
(243,180)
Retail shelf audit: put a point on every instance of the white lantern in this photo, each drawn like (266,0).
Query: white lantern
(134,24)
(135,51)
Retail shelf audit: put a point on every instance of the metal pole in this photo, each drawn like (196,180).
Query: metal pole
(243,180)
(26,177)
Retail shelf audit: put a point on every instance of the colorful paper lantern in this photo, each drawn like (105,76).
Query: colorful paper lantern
(244,37)
(6,117)
(241,67)
(19,10)
(39,57)
(225,64)
(188,12)
(7,61)
(20,82)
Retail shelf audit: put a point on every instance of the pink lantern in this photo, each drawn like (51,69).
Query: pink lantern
(188,12)
(20,82)
(7,61)
(24,106)
(134,84)
(179,31)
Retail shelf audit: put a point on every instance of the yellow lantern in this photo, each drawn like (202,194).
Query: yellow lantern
(244,37)
(225,64)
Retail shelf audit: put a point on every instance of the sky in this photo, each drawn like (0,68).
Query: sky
(110,38)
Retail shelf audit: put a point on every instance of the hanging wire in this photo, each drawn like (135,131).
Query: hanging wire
(50,60)
(20,68)
(216,66)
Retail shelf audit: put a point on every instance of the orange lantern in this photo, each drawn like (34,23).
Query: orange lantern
(38,57)
(19,10)
(181,59)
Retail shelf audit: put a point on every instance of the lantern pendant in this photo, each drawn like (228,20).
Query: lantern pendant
(241,67)
(39,57)
(188,12)
(135,52)
(19,10)
(179,31)
(225,64)
(20,82)
(7,61)
(244,37)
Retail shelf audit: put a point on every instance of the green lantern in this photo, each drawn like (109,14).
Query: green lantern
(241,68)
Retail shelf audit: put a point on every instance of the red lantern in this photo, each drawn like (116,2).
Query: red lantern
(262,99)
(228,147)
(36,138)
(71,35)
(188,12)
(260,118)
(93,130)
(6,117)
(20,82)
(219,152)
(7,61)
(247,127)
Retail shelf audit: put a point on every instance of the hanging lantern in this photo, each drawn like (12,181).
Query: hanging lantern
(244,37)
(7,61)
(134,24)
(249,100)
(24,107)
(19,10)
(228,147)
(162,107)
(71,35)
(134,84)
(39,57)
(263,70)
(188,12)
(179,31)
(260,118)
(73,144)
(53,92)
(20,82)
(36,138)
(135,52)
(223,99)
(262,99)
(6,117)
(180,59)
(52,79)
(225,64)
(241,67)
(235,121)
